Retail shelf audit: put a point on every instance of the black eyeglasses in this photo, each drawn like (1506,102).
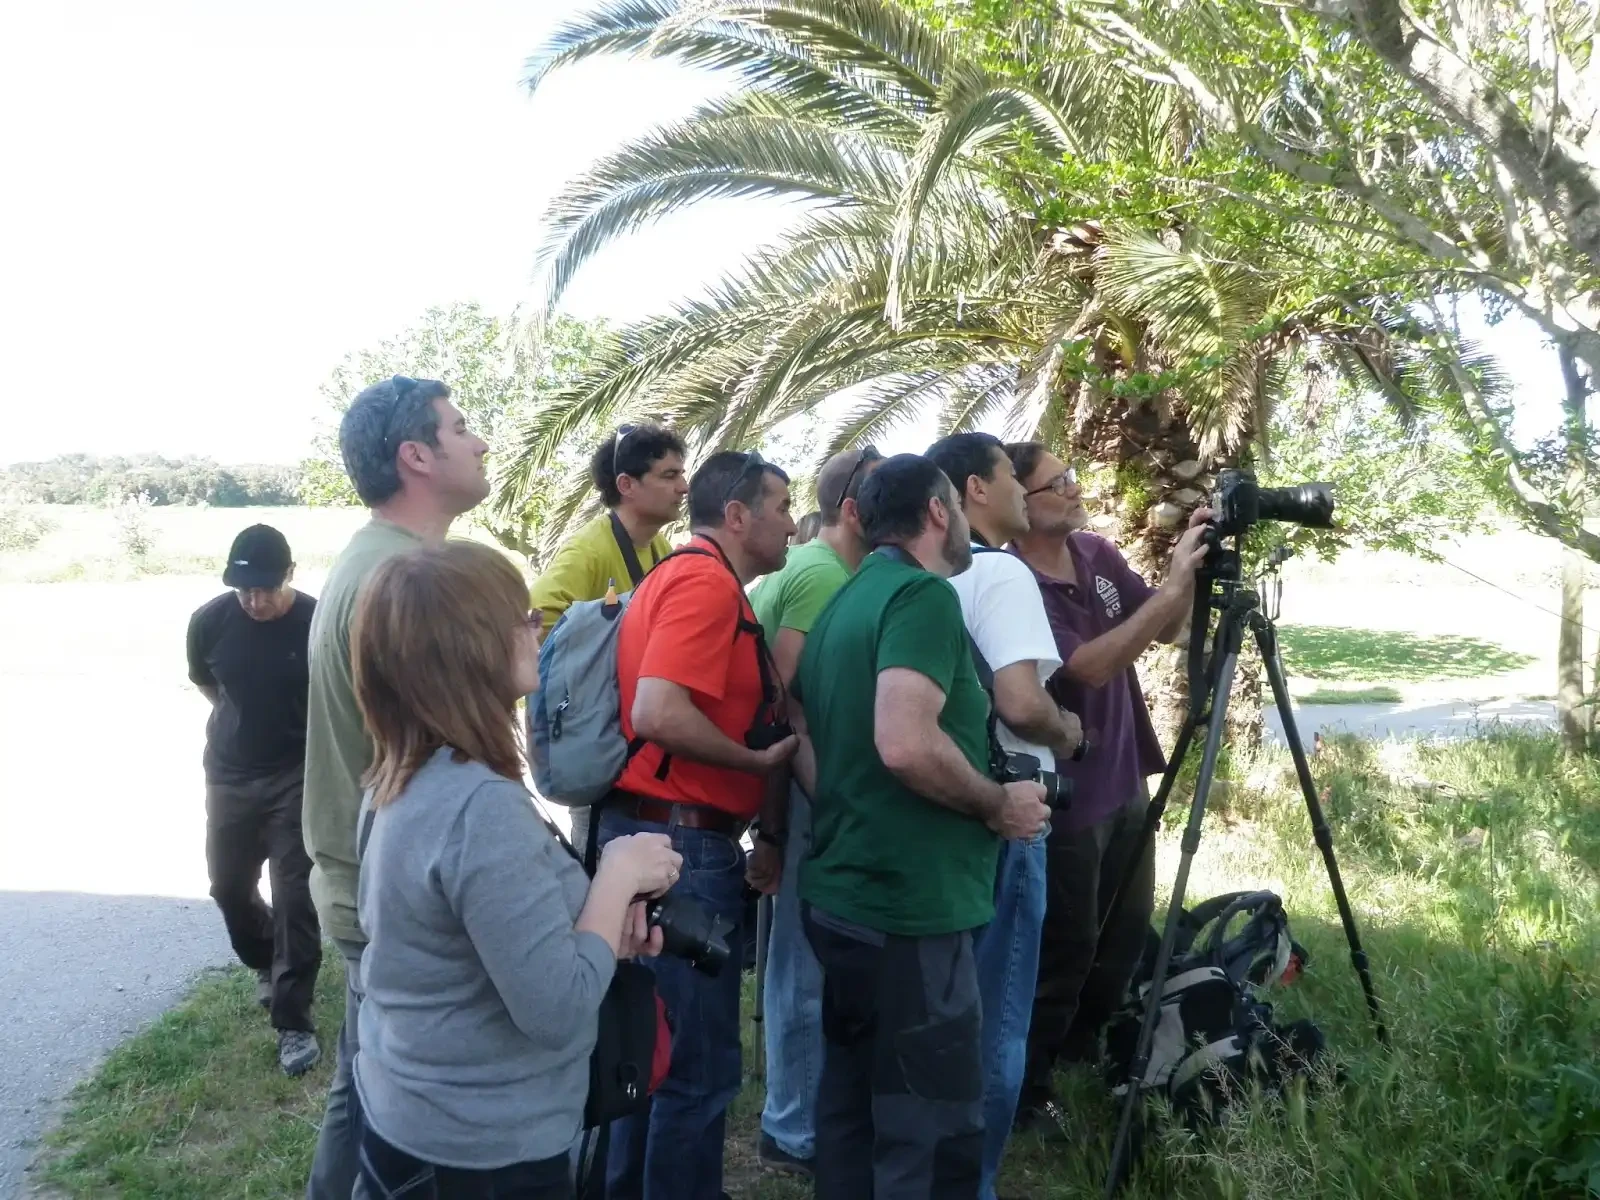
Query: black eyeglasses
(1058,485)
(752,462)
(868,454)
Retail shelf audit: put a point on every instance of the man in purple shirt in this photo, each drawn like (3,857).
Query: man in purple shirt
(1104,616)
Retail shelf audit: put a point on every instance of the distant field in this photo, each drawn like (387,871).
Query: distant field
(81,542)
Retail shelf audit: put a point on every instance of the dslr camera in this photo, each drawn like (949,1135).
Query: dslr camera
(1025,768)
(690,933)
(1239,502)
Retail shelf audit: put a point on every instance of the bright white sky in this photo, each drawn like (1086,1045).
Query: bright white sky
(211,203)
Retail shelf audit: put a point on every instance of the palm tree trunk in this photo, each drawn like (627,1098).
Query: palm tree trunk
(1571,712)
(1148,477)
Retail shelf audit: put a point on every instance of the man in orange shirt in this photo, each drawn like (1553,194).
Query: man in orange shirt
(694,691)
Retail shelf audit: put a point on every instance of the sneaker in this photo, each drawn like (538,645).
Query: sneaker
(774,1157)
(264,988)
(298,1051)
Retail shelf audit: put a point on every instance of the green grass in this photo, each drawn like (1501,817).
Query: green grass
(1387,656)
(1381,694)
(1487,961)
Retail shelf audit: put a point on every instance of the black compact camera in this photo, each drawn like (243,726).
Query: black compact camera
(690,933)
(766,734)
(1025,768)
(1239,502)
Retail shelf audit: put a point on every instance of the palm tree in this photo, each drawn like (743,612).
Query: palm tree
(920,271)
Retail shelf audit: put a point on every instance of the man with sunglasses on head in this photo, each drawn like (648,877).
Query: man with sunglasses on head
(1006,621)
(417,467)
(787,603)
(640,476)
(702,709)
(1103,616)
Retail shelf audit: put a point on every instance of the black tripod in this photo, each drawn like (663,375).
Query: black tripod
(1218,585)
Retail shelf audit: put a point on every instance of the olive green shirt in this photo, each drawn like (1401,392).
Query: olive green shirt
(338,751)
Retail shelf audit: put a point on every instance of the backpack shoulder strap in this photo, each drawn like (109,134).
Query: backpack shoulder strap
(630,556)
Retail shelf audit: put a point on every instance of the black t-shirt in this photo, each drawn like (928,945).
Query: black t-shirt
(260,671)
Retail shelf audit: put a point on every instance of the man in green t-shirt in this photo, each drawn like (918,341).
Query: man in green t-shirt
(787,603)
(906,827)
(417,467)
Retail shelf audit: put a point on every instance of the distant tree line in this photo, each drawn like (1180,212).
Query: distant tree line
(88,479)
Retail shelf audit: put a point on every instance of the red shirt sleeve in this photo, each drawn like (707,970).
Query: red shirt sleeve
(691,632)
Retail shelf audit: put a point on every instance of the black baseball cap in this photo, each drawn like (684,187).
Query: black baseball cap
(259,559)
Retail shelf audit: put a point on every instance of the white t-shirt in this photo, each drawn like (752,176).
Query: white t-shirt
(1004,612)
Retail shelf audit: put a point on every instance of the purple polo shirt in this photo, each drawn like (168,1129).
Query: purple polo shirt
(1123,745)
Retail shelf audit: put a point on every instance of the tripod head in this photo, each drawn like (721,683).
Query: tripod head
(1219,584)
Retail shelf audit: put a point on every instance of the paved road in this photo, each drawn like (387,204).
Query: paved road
(1446,719)
(104,917)
(79,974)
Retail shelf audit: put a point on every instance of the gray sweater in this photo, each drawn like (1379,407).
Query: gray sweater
(481,1000)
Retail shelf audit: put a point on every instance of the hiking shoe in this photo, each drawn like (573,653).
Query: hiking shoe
(298,1051)
(264,988)
(774,1157)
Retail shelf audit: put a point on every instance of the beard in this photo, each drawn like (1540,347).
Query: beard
(957,551)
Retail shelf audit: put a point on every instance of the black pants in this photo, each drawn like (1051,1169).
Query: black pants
(248,824)
(391,1174)
(900,1105)
(1083,976)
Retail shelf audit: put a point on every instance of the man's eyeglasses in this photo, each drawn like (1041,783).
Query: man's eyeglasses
(623,433)
(867,454)
(752,462)
(1058,485)
(403,386)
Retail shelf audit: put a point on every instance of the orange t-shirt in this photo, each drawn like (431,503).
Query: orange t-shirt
(682,625)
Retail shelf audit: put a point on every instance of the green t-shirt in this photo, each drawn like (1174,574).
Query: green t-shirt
(881,855)
(793,597)
(338,751)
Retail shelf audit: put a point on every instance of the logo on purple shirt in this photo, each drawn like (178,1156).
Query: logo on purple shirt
(1109,596)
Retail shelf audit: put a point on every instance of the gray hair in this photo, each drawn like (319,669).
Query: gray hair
(379,420)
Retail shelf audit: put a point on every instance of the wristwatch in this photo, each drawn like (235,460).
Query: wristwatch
(779,839)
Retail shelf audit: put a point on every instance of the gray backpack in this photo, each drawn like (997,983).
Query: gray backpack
(575,741)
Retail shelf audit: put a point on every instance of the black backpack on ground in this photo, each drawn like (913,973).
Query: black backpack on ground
(1215,1038)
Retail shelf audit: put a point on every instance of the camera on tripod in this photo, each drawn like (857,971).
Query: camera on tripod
(1025,768)
(1239,502)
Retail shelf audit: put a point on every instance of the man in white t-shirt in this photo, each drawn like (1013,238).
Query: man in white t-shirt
(1006,620)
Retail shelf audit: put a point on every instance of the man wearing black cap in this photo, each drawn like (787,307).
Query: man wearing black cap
(247,655)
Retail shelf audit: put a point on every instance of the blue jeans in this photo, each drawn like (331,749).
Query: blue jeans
(1007,954)
(674,1151)
(793,1004)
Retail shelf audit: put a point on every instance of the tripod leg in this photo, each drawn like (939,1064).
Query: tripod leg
(1152,819)
(1267,640)
(1169,933)
(759,1015)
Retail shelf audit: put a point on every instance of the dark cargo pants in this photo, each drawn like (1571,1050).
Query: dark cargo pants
(1082,974)
(247,825)
(900,1104)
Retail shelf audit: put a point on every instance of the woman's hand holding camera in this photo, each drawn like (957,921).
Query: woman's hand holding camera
(648,859)
(639,940)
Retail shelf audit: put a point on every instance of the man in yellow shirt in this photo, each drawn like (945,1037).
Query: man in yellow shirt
(639,474)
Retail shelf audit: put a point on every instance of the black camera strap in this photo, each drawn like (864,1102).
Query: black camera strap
(771,686)
(630,556)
